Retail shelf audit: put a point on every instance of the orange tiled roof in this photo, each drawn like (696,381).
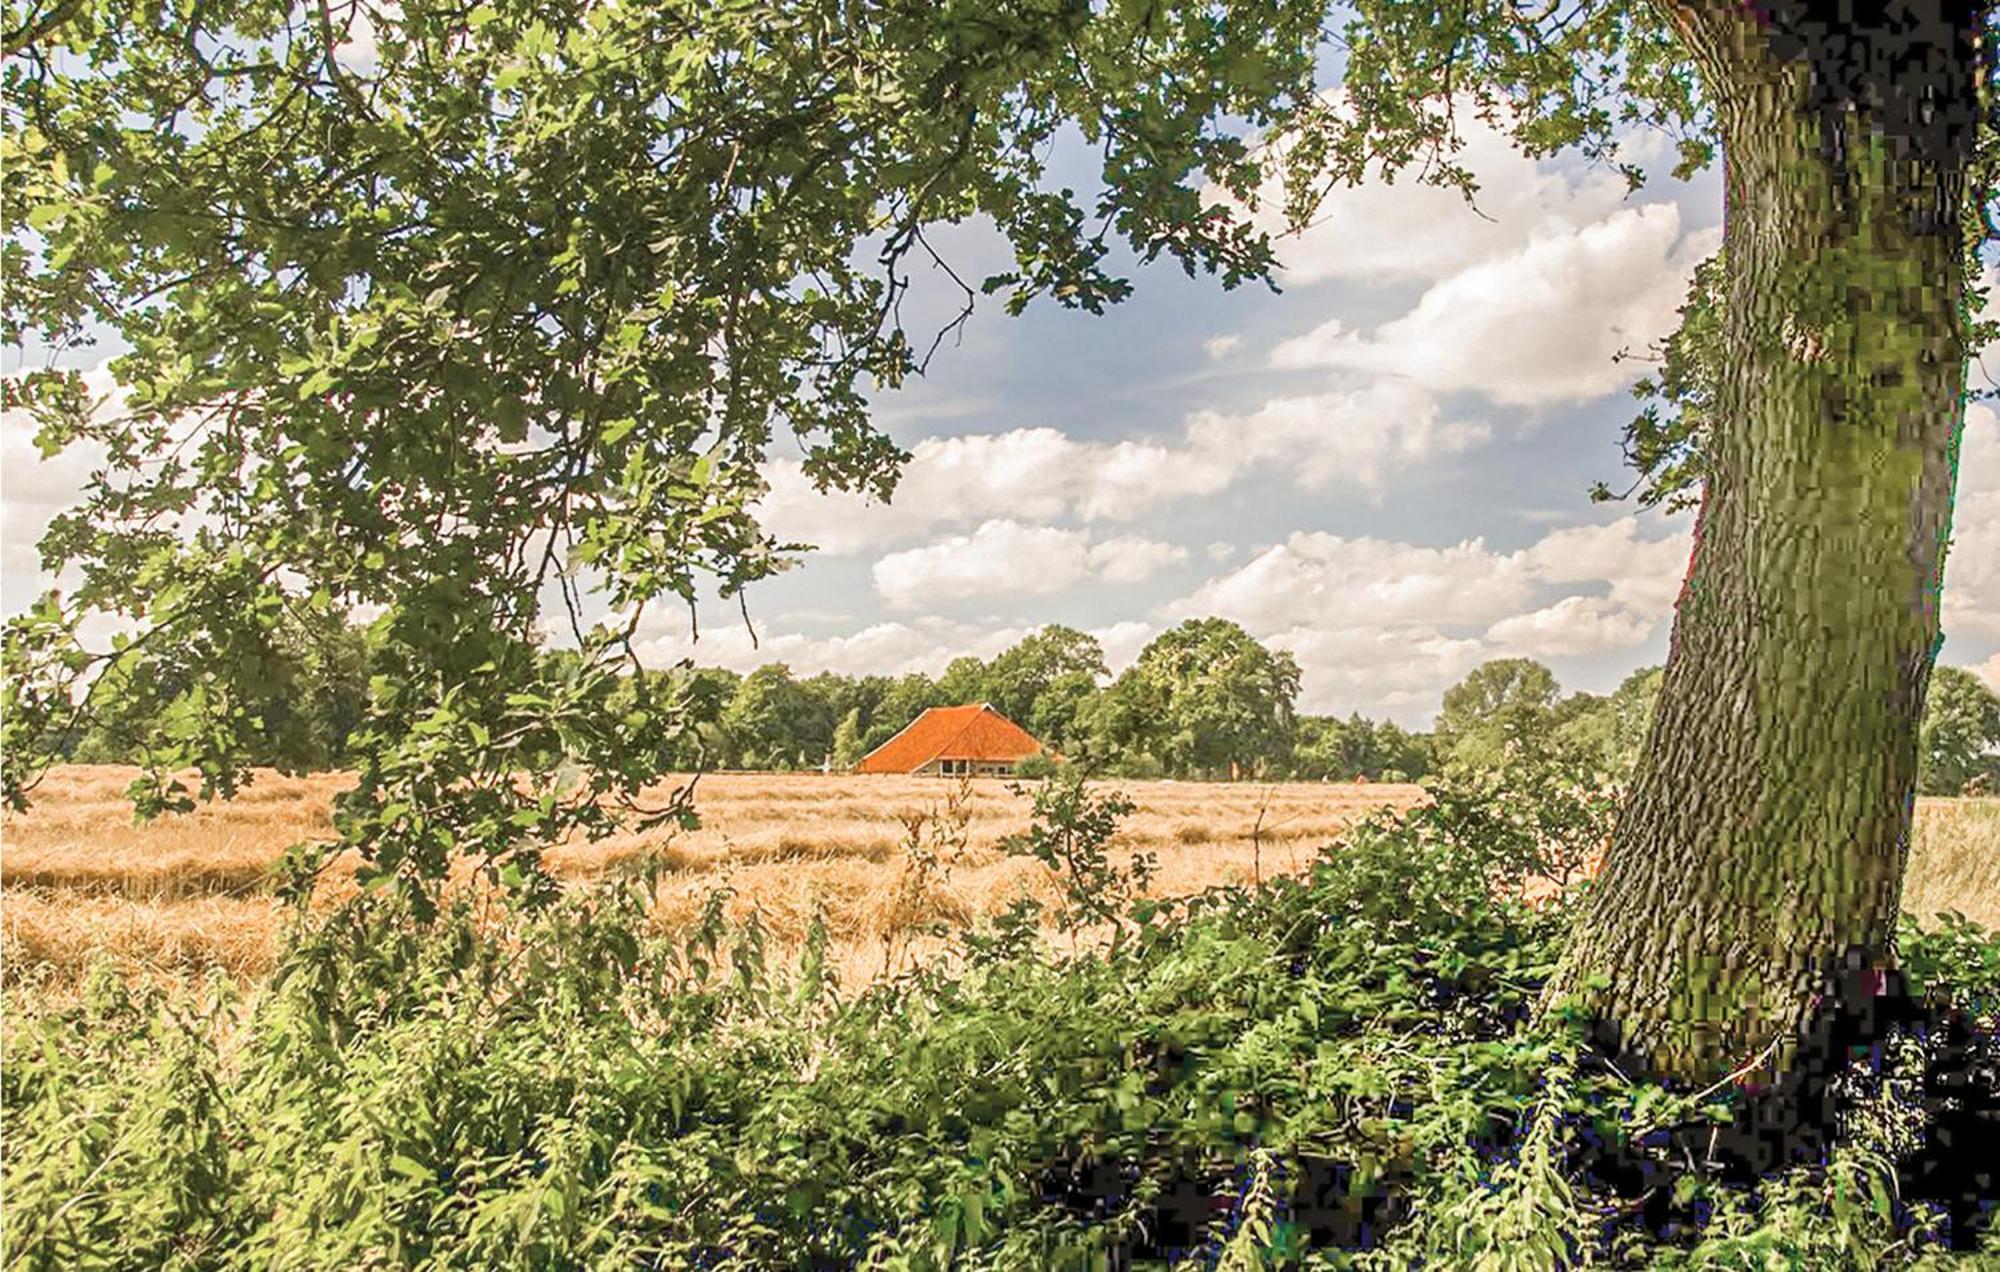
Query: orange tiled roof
(975,732)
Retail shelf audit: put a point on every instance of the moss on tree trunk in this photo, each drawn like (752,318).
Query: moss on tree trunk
(1767,831)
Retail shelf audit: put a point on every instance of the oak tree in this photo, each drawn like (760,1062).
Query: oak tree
(469,311)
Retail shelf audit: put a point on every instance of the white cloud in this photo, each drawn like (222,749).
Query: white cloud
(1645,574)
(1327,582)
(1005,557)
(1989,671)
(886,648)
(1354,434)
(1398,672)
(1219,551)
(924,644)
(1222,346)
(1972,568)
(1411,230)
(1122,642)
(1574,625)
(1540,325)
(1131,559)
(1382,626)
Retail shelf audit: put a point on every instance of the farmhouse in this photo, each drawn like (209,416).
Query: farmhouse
(970,741)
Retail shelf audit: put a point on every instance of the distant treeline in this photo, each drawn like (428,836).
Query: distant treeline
(1204,700)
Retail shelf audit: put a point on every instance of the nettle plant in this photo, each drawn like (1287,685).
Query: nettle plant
(1070,832)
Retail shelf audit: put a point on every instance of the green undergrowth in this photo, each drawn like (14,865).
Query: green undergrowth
(1335,1071)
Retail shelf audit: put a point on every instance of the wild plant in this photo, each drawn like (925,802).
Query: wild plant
(935,840)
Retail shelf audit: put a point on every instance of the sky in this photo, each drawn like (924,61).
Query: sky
(1382,467)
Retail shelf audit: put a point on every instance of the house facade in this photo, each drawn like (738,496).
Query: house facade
(968,741)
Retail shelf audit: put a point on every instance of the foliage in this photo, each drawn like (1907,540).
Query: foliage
(1663,443)
(1071,829)
(1206,698)
(1613,730)
(1335,1071)
(1325,748)
(1037,767)
(1960,739)
(1498,700)
(1018,681)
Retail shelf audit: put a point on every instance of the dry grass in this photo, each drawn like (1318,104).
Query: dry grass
(187,894)
(1955,860)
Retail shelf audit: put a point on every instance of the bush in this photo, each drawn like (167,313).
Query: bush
(1037,767)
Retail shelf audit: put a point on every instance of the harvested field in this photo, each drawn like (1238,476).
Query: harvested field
(186,894)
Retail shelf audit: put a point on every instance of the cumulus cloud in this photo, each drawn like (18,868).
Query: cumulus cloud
(1539,325)
(1407,229)
(1989,671)
(925,644)
(1354,434)
(885,648)
(1326,581)
(1222,346)
(1005,557)
(1574,625)
(1645,574)
(1383,625)
(1122,642)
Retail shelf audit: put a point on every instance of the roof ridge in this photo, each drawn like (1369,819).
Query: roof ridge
(886,742)
(946,745)
(972,729)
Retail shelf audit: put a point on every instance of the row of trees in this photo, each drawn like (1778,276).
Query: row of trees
(1203,700)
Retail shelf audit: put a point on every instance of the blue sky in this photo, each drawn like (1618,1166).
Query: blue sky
(1383,468)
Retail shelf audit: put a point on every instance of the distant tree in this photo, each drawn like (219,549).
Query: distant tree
(1399,754)
(1961,732)
(313,698)
(701,697)
(1321,750)
(772,722)
(847,748)
(1507,697)
(1612,730)
(1210,700)
(963,682)
(1060,717)
(1015,681)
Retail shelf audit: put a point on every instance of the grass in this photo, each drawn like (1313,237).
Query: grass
(181,895)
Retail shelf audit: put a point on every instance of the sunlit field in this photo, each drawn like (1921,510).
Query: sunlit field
(884,858)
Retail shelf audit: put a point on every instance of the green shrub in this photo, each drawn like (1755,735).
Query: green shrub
(1037,767)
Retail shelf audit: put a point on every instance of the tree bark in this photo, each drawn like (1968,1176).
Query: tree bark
(1765,837)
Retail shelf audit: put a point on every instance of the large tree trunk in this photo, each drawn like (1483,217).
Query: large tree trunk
(1765,838)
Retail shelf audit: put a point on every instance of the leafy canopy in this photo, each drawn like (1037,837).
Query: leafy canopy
(483,318)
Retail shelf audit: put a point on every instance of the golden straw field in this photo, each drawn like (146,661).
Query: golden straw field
(183,895)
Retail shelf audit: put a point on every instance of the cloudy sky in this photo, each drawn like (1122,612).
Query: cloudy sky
(1382,468)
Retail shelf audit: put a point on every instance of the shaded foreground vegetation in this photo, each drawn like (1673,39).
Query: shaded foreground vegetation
(1327,1071)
